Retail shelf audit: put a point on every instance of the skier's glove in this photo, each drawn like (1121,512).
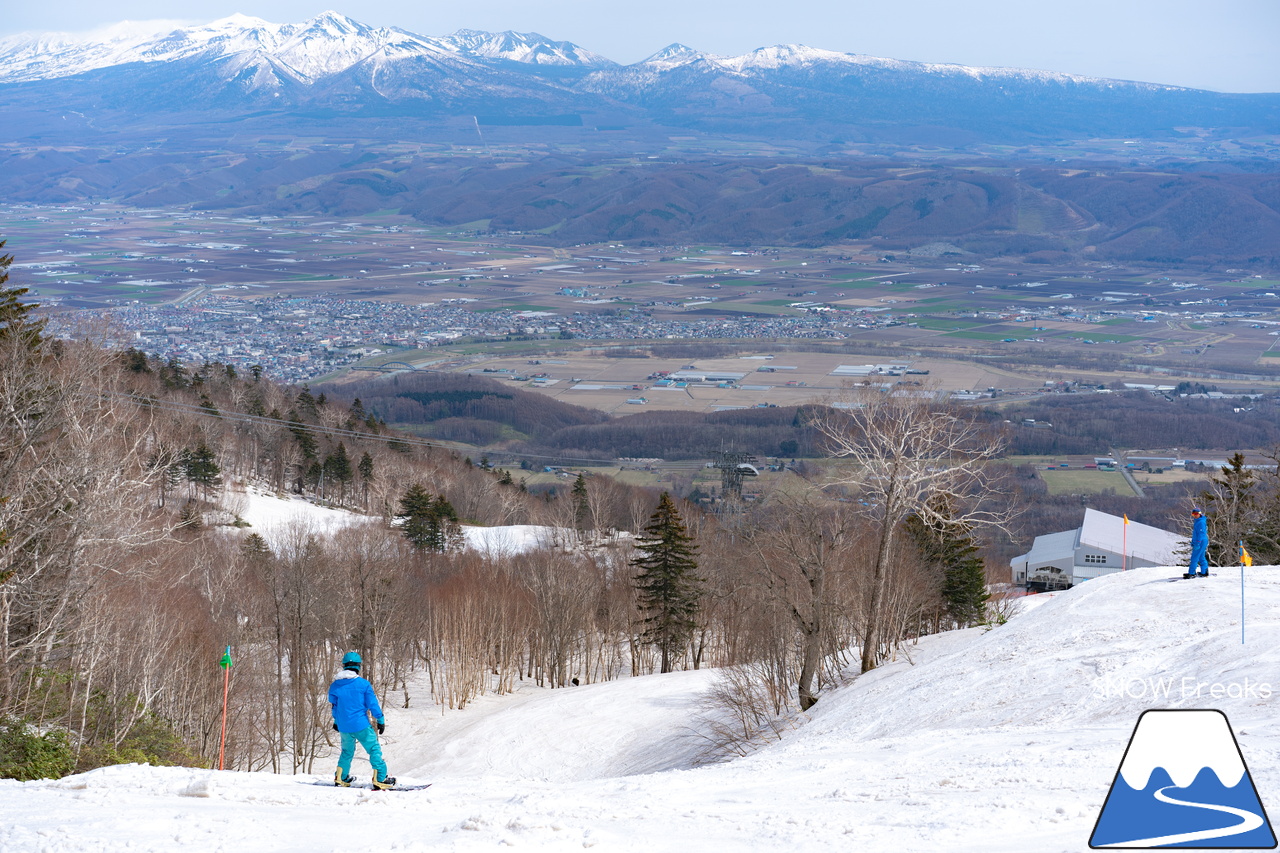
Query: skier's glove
(335,727)
(382,727)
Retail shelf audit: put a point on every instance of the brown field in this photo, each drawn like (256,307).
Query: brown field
(576,377)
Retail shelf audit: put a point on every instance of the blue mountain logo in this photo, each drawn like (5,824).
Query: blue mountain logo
(1183,783)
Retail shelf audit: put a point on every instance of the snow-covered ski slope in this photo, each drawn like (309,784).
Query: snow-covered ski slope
(981,742)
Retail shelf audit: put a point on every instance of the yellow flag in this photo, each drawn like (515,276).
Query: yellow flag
(1126,518)
(1245,559)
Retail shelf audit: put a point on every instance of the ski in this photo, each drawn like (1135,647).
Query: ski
(1193,578)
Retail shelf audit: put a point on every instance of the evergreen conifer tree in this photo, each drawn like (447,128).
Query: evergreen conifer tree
(313,474)
(307,405)
(337,467)
(365,467)
(201,467)
(1232,511)
(175,374)
(430,523)
(950,546)
(307,444)
(580,505)
(207,405)
(667,582)
(15,314)
(255,547)
(136,361)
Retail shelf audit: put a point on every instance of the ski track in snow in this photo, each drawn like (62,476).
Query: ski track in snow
(1000,741)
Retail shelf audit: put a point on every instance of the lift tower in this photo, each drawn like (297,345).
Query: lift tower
(733,468)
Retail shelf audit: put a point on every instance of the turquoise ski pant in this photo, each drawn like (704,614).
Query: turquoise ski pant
(368,738)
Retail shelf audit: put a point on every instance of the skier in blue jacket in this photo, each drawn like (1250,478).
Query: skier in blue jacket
(353,702)
(1199,545)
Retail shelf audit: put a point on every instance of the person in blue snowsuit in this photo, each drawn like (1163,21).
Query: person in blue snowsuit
(353,702)
(1199,544)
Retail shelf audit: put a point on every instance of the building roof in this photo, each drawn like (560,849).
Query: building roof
(1107,532)
(1049,547)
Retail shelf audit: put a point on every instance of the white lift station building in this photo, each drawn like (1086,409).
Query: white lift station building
(1099,546)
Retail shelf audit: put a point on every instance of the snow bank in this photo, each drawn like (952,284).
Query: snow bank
(507,540)
(275,516)
(1000,741)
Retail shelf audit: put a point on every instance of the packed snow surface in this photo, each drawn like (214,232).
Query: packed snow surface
(976,741)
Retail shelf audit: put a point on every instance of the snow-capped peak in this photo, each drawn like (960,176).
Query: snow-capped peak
(239,21)
(335,23)
(672,56)
(528,48)
(782,55)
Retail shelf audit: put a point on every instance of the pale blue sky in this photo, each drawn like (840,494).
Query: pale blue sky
(1227,45)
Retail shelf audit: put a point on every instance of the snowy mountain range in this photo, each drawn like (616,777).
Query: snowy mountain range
(242,65)
(324,46)
(332,43)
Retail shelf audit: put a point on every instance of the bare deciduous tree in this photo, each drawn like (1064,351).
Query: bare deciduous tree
(801,547)
(74,491)
(906,455)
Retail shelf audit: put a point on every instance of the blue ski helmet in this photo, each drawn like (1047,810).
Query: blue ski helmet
(351,660)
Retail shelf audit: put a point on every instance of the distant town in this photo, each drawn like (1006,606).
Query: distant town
(304,297)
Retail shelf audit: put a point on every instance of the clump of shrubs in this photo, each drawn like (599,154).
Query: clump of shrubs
(27,754)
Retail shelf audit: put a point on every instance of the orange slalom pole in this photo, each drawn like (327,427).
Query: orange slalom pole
(1124,544)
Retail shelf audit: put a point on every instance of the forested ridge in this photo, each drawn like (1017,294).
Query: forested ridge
(479,410)
(1202,213)
(125,570)
(1094,423)
(466,408)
